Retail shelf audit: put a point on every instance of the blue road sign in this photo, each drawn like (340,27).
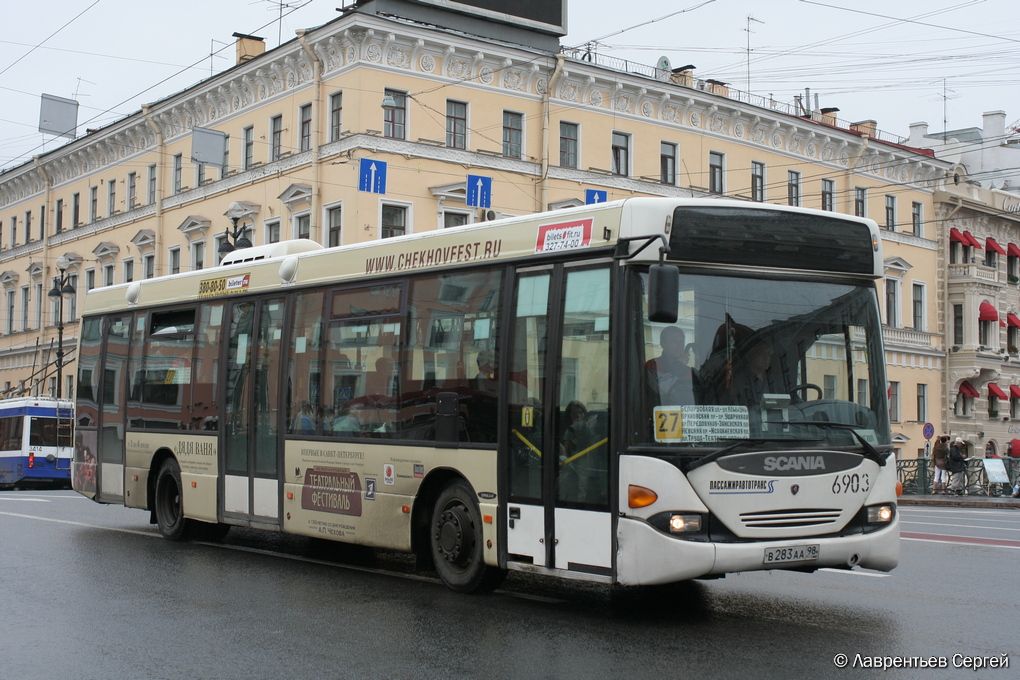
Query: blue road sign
(595,196)
(479,191)
(372,176)
(928,431)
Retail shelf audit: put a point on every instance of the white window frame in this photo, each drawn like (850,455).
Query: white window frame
(524,132)
(294,224)
(892,317)
(924,303)
(325,222)
(267,226)
(628,149)
(409,227)
(193,251)
(470,214)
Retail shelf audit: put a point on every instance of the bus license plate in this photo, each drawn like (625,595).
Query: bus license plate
(791,553)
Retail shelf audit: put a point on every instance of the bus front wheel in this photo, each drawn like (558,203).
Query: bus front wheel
(455,536)
(169,509)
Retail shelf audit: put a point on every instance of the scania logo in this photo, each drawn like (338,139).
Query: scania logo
(787,463)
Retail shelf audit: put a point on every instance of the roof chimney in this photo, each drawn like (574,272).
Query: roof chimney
(249,47)
(865,127)
(993,124)
(829,115)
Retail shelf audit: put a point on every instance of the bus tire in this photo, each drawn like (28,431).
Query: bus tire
(455,538)
(169,508)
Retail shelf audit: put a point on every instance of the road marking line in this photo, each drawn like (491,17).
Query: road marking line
(30,500)
(150,534)
(269,553)
(964,540)
(854,572)
(959,526)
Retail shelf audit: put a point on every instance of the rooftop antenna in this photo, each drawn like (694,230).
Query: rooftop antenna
(77,88)
(212,51)
(748,31)
(280,6)
(947,94)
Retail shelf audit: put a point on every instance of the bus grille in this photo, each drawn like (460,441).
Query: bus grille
(789,518)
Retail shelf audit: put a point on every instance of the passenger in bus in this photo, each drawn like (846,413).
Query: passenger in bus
(379,382)
(485,380)
(306,419)
(583,463)
(668,376)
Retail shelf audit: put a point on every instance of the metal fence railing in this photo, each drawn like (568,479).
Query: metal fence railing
(917,475)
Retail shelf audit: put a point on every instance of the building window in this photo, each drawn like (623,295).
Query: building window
(302,226)
(199,174)
(395,116)
(394,220)
(336,115)
(10,312)
(108,275)
(275,137)
(24,308)
(152,184)
(568,145)
(90,279)
(985,333)
(715,173)
(916,218)
(829,387)
(59,217)
(28,226)
(890,212)
(198,255)
(132,195)
(226,156)
(793,187)
(249,147)
(149,266)
(14,232)
(862,392)
(273,231)
(667,163)
(334,216)
(993,406)
(621,153)
(894,401)
(917,306)
(75,210)
(111,197)
(93,203)
(828,189)
(452,218)
(861,202)
(892,296)
(991,258)
(513,134)
(72,306)
(178,168)
(38,305)
(757,181)
(456,124)
(129,271)
(958,325)
(306,127)
(175,260)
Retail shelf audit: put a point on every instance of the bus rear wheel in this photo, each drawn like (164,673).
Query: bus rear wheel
(455,537)
(169,508)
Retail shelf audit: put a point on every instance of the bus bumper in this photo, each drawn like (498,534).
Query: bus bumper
(649,557)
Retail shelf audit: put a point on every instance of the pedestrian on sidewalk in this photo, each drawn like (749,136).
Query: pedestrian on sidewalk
(939,457)
(957,466)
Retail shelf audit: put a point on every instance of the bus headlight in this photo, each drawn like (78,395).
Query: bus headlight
(681,524)
(881,514)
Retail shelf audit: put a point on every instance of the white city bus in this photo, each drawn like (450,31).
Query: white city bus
(637,392)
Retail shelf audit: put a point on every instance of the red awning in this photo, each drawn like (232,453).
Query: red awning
(995,391)
(987,312)
(992,244)
(967,390)
(1013,319)
(972,239)
(955,235)
(1014,391)
(1014,448)
(1013,250)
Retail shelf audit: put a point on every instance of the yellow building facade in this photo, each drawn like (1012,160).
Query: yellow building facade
(369,126)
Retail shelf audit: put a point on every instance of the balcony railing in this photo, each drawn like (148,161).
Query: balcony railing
(907,336)
(971,271)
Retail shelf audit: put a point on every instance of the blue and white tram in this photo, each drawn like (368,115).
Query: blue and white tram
(35,441)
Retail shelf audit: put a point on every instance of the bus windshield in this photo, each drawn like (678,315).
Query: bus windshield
(769,361)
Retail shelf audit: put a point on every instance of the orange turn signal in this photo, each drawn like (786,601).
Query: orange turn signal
(640,497)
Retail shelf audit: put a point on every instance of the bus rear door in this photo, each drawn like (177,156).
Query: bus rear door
(556,441)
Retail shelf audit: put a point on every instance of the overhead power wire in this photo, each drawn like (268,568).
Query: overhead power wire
(40,44)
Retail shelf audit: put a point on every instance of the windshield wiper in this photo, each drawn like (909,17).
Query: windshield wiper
(870,452)
(737,444)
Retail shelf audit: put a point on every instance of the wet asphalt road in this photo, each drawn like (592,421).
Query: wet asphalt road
(92,591)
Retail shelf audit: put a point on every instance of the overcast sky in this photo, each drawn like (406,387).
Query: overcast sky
(119,54)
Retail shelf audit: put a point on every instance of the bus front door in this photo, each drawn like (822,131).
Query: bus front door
(557,438)
(251,489)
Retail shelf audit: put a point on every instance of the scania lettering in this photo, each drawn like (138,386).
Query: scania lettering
(625,393)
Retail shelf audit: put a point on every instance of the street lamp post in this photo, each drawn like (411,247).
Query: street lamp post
(61,287)
(240,240)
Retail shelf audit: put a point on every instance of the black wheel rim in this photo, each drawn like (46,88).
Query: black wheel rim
(454,535)
(170,501)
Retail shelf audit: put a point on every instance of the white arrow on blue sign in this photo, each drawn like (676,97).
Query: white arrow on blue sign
(372,176)
(595,196)
(479,191)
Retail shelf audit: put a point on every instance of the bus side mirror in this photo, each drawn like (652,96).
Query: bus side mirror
(663,293)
